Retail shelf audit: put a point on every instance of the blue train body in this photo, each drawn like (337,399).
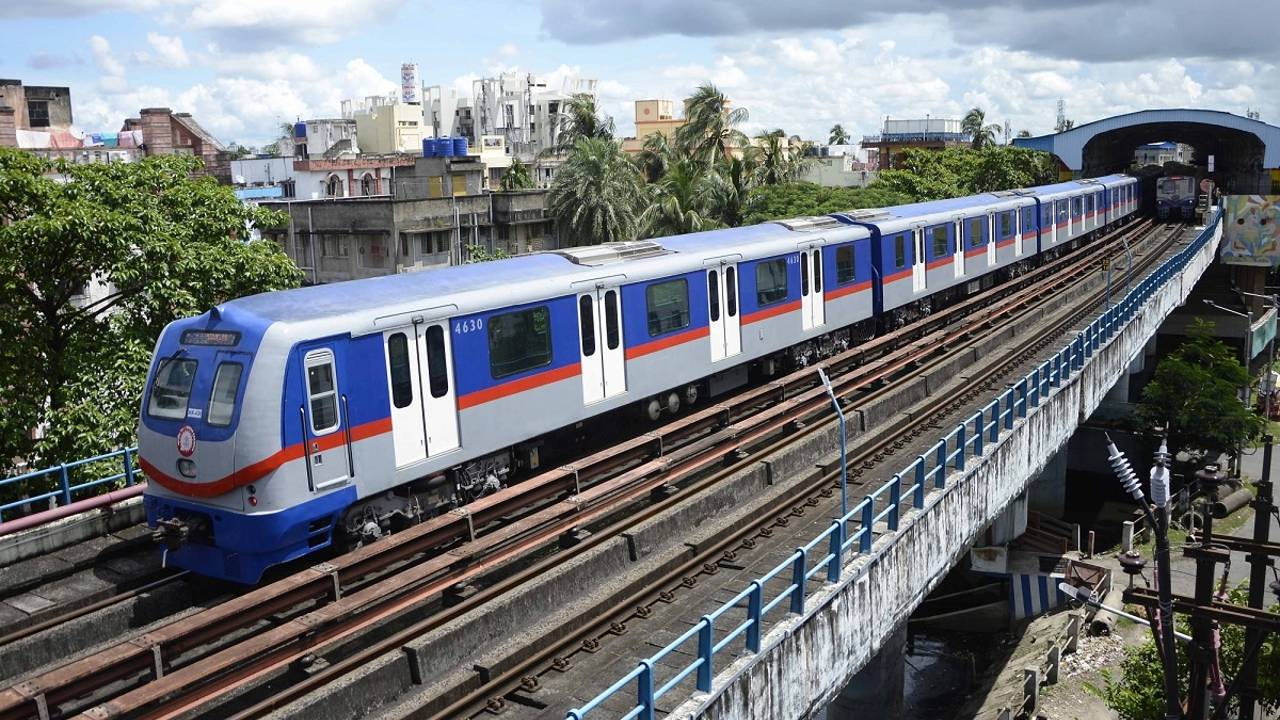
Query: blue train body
(276,425)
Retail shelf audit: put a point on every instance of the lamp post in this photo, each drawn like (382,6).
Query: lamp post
(1246,341)
(844,468)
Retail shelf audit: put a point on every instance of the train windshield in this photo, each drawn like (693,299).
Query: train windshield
(172,388)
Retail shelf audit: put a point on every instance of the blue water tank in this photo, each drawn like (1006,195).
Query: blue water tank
(460,146)
(300,130)
(446,147)
(428,147)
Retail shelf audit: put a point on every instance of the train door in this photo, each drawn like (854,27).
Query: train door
(1055,217)
(957,229)
(919,264)
(1017,232)
(991,239)
(408,430)
(323,417)
(812,306)
(1077,216)
(435,373)
(722,310)
(604,371)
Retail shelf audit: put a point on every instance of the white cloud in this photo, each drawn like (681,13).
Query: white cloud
(248,22)
(105,61)
(169,51)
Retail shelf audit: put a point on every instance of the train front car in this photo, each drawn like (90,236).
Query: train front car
(210,441)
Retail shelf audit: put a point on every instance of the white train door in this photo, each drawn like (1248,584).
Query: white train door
(604,372)
(435,369)
(919,267)
(722,310)
(1017,231)
(991,239)
(408,428)
(812,310)
(957,227)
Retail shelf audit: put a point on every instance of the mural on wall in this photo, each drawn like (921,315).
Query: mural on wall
(1251,233)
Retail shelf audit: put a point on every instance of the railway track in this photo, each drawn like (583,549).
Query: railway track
(180,667)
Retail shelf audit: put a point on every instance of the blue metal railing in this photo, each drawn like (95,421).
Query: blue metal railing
(836,543)
(58,478)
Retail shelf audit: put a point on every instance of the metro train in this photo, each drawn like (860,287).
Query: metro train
(1176,197)
(276,425)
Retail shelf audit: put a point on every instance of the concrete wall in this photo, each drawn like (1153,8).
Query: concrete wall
(806,661)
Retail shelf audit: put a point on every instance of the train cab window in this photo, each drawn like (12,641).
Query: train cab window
(975,232)
(611,335)
(398,363)
(222,399)
(899,251)
(519,341)
(668,306)
(845,268)
(731,289)
(322,392)
(939,235)
(1006,224)
(172,388)
(437,368)
(587,324)
(771,282)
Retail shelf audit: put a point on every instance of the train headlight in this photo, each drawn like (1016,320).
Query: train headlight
(187,467)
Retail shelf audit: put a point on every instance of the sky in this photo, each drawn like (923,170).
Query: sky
(243,67)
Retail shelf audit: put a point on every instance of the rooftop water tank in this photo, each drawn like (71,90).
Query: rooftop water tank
(460,146)
(428,147)
(446,147)
(300,130)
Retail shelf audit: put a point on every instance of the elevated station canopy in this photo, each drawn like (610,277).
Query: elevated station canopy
(1244,150)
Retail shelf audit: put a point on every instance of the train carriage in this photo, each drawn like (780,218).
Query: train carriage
(276,425)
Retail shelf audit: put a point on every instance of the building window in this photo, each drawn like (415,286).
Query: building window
(38,113)
(771,282)
(366,185)
(333,187)
(333,246)
(668,306)
(519,341)
(288,189)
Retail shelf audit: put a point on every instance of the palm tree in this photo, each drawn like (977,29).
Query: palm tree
(709,130)
(676,202)
(595,194)
(656,156)
(838,135)
(975,125)
(1024,133)
(517,177)
(580,119)
(728,196)
(779,159)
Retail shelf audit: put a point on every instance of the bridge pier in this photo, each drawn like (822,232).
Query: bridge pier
(877,690)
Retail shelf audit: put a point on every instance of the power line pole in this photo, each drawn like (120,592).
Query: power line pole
(1263,506)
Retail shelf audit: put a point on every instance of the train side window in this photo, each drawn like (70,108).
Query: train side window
(899,251)
(975,232)
(322,391)
(668,306)
(587,324)
(731,289)
(437,367)
(845,265)
(222,398)
(519,341)
(611,335)
(401,377)
(1006,224)
(939,235)
(171,390)
(713,294)
(771,282)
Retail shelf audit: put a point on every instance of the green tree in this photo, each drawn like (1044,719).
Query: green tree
(655,156)
(710,132)
(975,125)
(1024,133)
(952,172)
(778,160)
(479,253)
(1138,692)
(838,135)
(777,202)
(676,202)
(596,194)
(581,120)
(517,177)
(238,151)
(157,243)
(728,191)
(1194,395)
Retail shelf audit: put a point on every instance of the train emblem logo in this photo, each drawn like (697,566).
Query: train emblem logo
(186,441)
